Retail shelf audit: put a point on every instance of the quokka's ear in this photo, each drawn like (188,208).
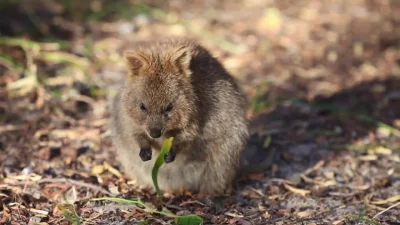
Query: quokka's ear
(135,61)
(181,59)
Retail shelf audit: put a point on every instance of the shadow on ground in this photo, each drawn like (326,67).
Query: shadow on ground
(304,132)
(328,137)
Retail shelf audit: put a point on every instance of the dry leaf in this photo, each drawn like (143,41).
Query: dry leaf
(40,97)
(266,215)
(98,169)
(244,222)
(307,179)
(326,183)
(80,133)
(388,200)
(304,214)
(381,150)
(297,190)
(31,177)
(57,211)
(233,215)
(338,222)
(361,187)
(396,122)
(69,152)
(256,176)
(271,21)
(71,196)
(368,158)
(384,132)
(114,190)
(234,220)
(35,220)
(112,169)
(38,211)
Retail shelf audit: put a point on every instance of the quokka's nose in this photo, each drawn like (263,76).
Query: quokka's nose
(155,133)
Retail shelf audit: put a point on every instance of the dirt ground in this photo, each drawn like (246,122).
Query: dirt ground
(322,78)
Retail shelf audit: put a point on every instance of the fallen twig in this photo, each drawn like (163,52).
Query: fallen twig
(388,208)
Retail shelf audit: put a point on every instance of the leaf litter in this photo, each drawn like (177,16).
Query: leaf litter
(55,148)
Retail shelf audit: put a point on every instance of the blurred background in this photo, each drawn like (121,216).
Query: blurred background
(322,78)
(329,45)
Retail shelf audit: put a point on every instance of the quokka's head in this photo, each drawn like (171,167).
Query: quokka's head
(158,94)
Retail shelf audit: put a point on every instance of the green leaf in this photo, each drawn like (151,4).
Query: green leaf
(159,161)
(179,220)
(367,220)
(135,201)
(10,41)
(12,62)
(267,141)
(363,212)
(63,57)
(144,222)
(188,220)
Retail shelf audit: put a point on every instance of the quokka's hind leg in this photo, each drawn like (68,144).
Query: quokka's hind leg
(218,179)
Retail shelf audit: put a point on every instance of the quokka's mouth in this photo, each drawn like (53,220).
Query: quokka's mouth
(155,133)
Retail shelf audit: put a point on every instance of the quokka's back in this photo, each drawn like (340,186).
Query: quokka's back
(177,88)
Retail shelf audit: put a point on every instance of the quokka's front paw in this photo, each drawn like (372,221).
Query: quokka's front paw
(170,156)
(145,154)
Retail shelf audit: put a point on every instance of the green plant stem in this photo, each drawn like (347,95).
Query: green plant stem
(159,162)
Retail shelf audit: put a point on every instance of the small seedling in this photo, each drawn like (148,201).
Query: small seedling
(69,212)
(159,161)
(188,220)
(362,217)
(181,220)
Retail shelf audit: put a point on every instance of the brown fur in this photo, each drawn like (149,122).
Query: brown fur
(207,119)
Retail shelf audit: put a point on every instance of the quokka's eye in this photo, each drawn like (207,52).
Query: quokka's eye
(142,107)
(169,107)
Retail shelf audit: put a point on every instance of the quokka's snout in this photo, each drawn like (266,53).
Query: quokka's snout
(155,132)
(156,126)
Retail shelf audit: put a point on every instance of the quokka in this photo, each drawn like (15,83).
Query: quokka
(176,88)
